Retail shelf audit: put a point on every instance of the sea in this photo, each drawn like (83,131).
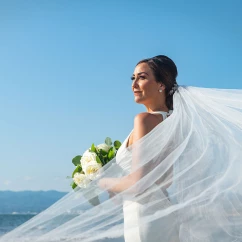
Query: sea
(10,221)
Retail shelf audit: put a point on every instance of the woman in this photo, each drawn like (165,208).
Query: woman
(154,83)
(176,177)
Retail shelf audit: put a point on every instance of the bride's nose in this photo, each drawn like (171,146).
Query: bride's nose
(134,84)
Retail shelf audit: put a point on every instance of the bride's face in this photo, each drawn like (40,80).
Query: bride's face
(144,85)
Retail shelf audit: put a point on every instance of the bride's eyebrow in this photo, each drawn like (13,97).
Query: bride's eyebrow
(142,73)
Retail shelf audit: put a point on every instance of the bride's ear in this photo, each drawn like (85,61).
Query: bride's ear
(162,86)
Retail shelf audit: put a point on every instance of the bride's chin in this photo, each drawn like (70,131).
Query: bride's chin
(138,100)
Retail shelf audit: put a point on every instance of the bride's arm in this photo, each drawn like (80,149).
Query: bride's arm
(143,124)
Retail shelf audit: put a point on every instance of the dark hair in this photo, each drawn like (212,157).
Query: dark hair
(165,71)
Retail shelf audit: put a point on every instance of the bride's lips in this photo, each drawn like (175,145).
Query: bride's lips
(136,93)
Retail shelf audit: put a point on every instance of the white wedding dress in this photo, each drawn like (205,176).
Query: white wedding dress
(134,231)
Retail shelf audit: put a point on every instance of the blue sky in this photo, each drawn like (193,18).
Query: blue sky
(65,70)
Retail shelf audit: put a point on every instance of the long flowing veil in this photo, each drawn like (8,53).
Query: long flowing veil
(187,171)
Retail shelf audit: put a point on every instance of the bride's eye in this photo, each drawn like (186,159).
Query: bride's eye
(142,77)
(132,78)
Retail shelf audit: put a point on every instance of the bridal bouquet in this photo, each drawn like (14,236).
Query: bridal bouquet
(88,165)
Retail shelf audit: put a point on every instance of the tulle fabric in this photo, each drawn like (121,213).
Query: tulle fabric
(188,189)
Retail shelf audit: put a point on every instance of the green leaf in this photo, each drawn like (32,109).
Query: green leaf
(103,152)
(111,154)
(73,185)
(102,158)
(97,152)
(108,141)
(105,159)
(77,160)
(117,144)
(93,148)
(78,169)
(98,160)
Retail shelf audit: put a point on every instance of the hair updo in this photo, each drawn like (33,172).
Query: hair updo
(165,72)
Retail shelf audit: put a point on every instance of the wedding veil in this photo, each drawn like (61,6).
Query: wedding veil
(189,181)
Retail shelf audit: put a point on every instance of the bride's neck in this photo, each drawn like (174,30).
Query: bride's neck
(155,108)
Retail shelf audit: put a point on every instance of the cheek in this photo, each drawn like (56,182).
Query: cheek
(145,85)
(148,87)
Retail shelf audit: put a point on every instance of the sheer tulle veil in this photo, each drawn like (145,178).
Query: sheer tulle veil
(191,171)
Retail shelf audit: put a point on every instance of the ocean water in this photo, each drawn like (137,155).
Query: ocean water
(10,221)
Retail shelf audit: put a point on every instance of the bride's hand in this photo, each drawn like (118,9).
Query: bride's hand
(102,184)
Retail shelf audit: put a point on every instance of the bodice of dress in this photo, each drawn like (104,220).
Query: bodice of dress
(164,114)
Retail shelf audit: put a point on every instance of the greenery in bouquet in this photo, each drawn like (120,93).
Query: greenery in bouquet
(87,166)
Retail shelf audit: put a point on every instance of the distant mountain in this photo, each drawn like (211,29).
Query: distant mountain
(27,201)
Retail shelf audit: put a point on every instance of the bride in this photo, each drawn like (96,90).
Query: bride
(176,177)
(153,85)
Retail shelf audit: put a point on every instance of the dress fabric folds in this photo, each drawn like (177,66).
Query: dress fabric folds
(189,187)
(132,211)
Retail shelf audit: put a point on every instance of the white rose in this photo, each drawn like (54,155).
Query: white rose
(87,158)
(81,180)
(92,169)
(104,147)
(86,152)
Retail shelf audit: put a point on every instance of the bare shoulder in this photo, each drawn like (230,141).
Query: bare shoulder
(144,123)
(147,119)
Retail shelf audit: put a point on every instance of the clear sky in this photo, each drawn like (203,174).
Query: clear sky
(65,70)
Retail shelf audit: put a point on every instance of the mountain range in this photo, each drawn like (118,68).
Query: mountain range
(27,202)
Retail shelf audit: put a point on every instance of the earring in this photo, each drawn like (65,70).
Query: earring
(160,90)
